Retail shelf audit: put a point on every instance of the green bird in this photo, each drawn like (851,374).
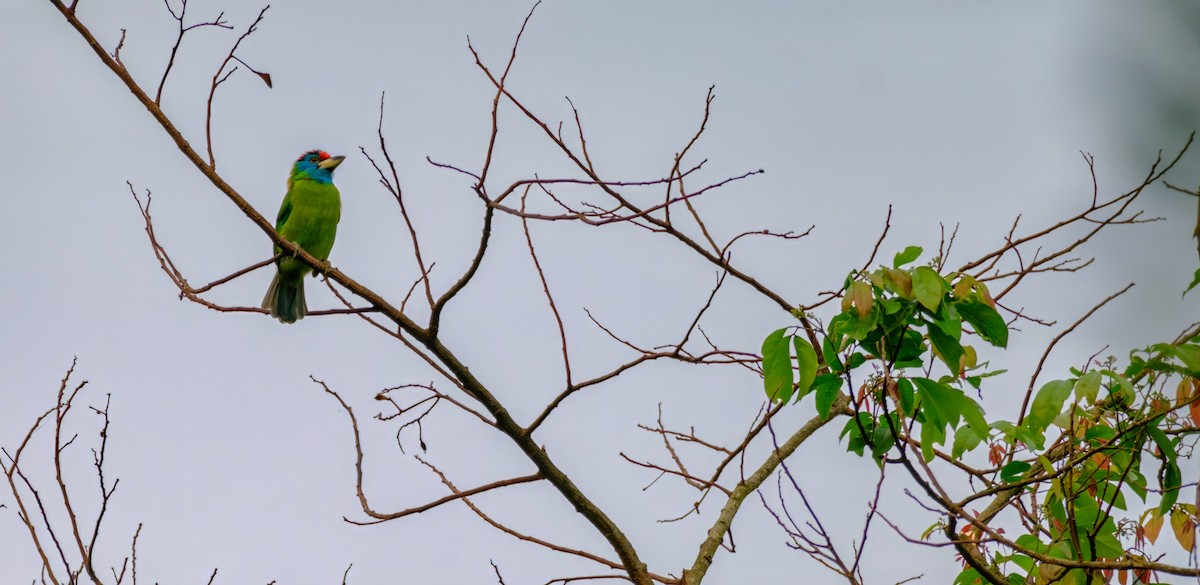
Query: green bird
(308,217)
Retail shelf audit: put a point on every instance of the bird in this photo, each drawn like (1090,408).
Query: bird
(307,217)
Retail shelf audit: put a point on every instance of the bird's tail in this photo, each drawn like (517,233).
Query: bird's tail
(285,300)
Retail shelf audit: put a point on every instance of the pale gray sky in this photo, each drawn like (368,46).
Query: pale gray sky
(231,458)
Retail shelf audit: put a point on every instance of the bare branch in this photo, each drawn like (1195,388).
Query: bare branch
(358,471)
(218,78)
(1053,342)
(218,22)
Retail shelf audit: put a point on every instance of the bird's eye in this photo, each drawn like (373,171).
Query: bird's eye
(312,159)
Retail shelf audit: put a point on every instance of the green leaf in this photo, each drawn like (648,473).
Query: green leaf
(889,339)
(1189,355)
(1137,483)
(1030,542)
(826,387)
(1164,442)
(1118,500)
(965,440)
(883,440)
(1088,387)
(1046,465)
(861,325)
(969,576)
(1195,281)
(908,255)
(928,287)
(1085,511)
(931,434)
(1095,434)
(806,358)
(1013,471)
(986,321)
(853,431)
(972,412)
(1024,562)
(912,347)
(905,389)
(1171,480)
(831,356)
(778,376)
(1121,392)
(1108,547)
(1034,439)
(946,405)
(1048,403)
(949,322)
(947,348)
(941,405)
(1054,507)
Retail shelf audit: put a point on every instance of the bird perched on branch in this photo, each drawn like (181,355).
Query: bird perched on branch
(308,217)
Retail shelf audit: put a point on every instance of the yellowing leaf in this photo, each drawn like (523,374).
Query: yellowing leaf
(970,359)
(985,295)
(901,280)
(1152,527)
(963,288)
(861,298)
(1184,528)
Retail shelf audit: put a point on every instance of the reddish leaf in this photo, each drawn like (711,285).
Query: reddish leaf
(1188,393)
(1160,405)
(996,454)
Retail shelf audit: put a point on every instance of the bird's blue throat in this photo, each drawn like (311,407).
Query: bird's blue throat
(306,170)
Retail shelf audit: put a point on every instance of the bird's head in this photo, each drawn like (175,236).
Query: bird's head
(316,165)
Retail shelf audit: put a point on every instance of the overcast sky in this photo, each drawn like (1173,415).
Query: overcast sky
(232,458)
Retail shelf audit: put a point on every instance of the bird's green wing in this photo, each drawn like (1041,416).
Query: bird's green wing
(285,209)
